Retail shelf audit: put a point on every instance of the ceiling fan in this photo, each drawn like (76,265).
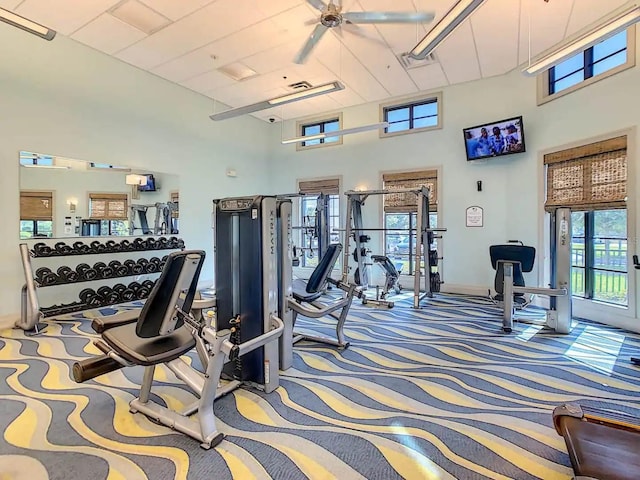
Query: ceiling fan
(331,16)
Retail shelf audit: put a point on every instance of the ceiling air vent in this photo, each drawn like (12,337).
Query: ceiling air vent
(410,63)
(303,85)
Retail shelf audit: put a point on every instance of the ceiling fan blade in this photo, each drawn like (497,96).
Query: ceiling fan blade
(318,4)
(314,38)
(388,17)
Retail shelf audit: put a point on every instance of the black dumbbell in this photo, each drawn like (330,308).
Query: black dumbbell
(109,297)
(119,288)
(97,247)
(86,272)
(86,295)
(152,244)
(125,246)
(44,276)
(99,267)
(163,243)
(172,242)
(149,284)
(129,264)
(63,274)
(180,243)
(151,267)
(119,269)
(62,248)
(128,295)
(135,286)
(78,248)
(112,246)
(139,244)
(41,250)
(142,293)
(138,268)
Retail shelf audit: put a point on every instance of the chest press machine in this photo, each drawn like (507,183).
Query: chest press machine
(240,347)
(510,261)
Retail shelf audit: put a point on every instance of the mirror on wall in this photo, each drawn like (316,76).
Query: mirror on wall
(62,197)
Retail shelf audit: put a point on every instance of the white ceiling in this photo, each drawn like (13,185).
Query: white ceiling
(201,36)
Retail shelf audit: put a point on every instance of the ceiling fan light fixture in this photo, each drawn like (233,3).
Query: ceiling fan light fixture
(27,25)
(445,27)
(612,25)
(337,133)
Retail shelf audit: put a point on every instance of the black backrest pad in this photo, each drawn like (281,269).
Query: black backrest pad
(159,300)
(325,265)
(513,253)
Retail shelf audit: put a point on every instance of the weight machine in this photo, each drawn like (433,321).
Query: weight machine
(165,221)
(320,228)
(558,316)
(425,236)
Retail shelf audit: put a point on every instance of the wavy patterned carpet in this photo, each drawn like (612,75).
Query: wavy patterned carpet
(438,393)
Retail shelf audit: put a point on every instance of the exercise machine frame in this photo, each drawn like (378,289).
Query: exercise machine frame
(355,230)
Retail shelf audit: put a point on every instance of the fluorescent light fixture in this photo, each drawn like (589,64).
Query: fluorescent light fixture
(615,23)
(26,24)
(282,100)
(53,167)
(307,93)
(337,133)
(445,27)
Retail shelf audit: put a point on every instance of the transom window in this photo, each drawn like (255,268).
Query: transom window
(27,158)
(318,128)
(606,58)
(418,115)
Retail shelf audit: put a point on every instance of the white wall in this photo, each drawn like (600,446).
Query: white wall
(512,195)
(65,99)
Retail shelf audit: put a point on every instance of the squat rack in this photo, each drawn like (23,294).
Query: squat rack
(424,238)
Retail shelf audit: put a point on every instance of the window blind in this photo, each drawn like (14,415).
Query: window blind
(36,205)
(108,206)
(329,186)
(590,177)
(408,202)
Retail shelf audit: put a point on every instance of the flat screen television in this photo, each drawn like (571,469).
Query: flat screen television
(150,186)
(494,139)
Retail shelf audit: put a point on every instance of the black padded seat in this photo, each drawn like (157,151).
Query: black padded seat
(299,291)
(600,451)
(308,291)
(149,351)
(523,258)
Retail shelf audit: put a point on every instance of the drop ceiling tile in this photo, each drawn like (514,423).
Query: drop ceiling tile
(495,31)
(587,12)
(108,34)
(208,81)
(202,27)
(429,77)
(457,56)
(187,66)
(64,16)
(548,24)
(175,10)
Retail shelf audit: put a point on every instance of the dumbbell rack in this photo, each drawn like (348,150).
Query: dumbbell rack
(44,276)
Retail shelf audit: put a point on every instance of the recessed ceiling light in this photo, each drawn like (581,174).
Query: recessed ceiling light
(140,16)
(238,71)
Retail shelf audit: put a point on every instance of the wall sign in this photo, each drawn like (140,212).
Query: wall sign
(474,216)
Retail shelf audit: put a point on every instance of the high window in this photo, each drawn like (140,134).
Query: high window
(412,116)
(308,236)
(592,181)
(400,214)
(36,214)
(315,128)
(606,58)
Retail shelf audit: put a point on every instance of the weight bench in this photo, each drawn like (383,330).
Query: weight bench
(161,334)
(601,445)
(306,295)
(391,274)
